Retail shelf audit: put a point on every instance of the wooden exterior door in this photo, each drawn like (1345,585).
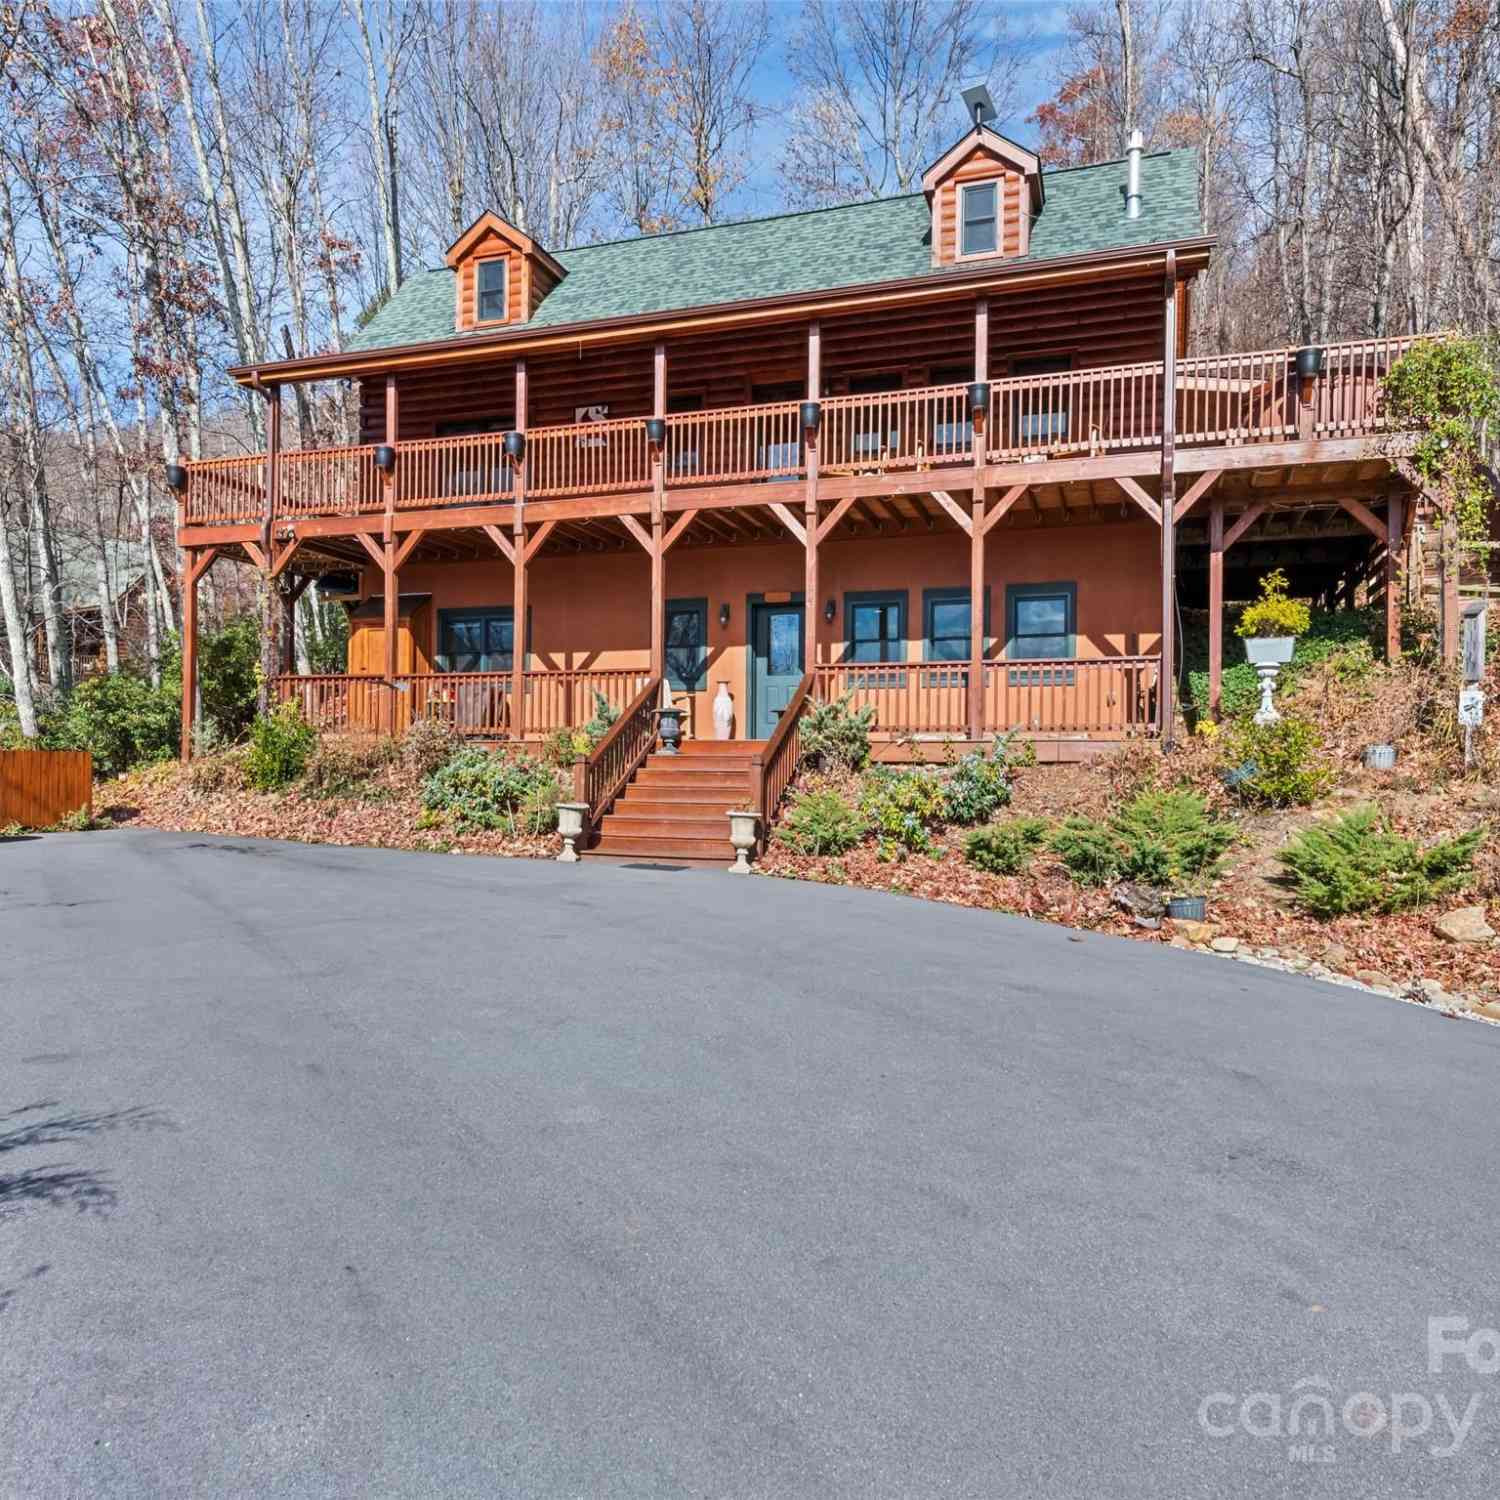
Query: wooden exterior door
(775,663)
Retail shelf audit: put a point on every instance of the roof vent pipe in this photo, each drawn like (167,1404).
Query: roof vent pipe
(1133,176)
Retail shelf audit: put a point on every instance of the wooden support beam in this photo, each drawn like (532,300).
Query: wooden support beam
(954,509)
(1166,690)
(638,531)
(1248,517)
(298,588)
(392,437)
(502,541)
(195,568)
(1364,515)
(405,549)
(376,551)
(257,555)
(1395,529)
(1003,505)
(834,516)
(279,560)
(976,619)
(1215,606)
(1195,492)
(539,539)
(674,532)
(656,546)
(1134,492)
(787,519)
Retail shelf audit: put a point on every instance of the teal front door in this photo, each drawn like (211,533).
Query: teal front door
(775,663)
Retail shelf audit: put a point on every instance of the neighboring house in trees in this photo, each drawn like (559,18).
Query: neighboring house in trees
(943,453)
(78,580)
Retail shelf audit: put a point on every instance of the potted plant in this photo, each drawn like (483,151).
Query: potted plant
(1269,628)
(744,827)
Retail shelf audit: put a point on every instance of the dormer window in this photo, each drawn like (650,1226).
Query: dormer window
(491,291)
(980,225)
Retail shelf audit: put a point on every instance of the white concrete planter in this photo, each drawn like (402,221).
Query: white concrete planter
(1268,654)
(570,816)
(742,834)
(1269,650)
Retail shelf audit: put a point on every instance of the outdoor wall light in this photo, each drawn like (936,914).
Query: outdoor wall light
(656,430)
(812,415)
(723,617)
(515,445)
(176,477)
(979,397)
(829,611)
(385,458)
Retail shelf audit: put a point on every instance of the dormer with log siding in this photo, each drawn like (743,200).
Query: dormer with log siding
(500,275)
(984,193)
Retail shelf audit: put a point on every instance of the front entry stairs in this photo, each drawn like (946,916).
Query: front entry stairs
(674,807)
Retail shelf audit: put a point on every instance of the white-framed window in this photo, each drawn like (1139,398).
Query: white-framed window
(979,218)
(489,291)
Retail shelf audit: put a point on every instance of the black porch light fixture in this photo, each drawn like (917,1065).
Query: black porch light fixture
(385,458)
(812,415)
(979,397)
(176,477)
(656,431)
(829,611)
(724,617)
(515,446)
(1310,362)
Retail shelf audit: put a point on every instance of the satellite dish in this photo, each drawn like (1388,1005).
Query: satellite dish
(979,104)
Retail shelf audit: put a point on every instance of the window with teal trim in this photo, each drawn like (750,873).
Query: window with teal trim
(476,640)
(946,632)
(875,625)
(1041,624)
(687,644)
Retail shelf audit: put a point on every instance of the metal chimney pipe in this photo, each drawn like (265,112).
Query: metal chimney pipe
(1133,175)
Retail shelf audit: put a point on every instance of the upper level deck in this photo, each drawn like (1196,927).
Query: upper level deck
(922,437)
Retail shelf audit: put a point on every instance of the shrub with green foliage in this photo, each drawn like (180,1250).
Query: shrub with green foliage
(1006,848)
(977,788)
(1290,768)
(228,678)
(902,807)
(428,744)
(1358,863)
(493,790)
(281,743)
(835,737)
(605,716)
(820,821)
(1274,614)
(120,719)
(1161,838)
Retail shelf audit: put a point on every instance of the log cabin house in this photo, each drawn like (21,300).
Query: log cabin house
(945,453)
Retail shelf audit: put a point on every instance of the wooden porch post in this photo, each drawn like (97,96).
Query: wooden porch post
(1215,606)
(1449,593)
(982,339)
(658,500)
(1165,695)
(518,596)
(976,614)
(270,610)
(1395,518)
(810,518)
(195,564)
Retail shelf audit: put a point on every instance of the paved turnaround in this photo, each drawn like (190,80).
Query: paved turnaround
(336,1172)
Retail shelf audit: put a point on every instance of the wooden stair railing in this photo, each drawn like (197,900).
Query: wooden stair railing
(777,764)
(601,776)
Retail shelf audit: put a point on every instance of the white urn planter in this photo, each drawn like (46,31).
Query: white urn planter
(723,713)
(742,834)
(1268,654)
(570,816)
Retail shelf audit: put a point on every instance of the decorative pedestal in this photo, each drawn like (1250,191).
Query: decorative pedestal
(742,834)
(1267,671)
(669,724)
(1268,654)
(570,816)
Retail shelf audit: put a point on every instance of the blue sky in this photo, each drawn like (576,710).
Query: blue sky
(1038,24)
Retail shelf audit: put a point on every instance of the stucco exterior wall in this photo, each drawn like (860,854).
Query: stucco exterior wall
(594,610)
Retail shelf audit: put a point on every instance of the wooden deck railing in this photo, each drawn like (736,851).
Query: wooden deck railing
(776,765)
(1220,400)
(599,779)
(1108,695)
(473,703)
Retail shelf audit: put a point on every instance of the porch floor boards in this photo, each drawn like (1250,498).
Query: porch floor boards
(674,807)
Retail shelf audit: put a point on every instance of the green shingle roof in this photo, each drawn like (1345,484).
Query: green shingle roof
(820,250)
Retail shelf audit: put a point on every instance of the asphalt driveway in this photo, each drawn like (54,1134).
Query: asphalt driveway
(358,1173)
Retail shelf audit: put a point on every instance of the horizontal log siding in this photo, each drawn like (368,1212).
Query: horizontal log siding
(980,165)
